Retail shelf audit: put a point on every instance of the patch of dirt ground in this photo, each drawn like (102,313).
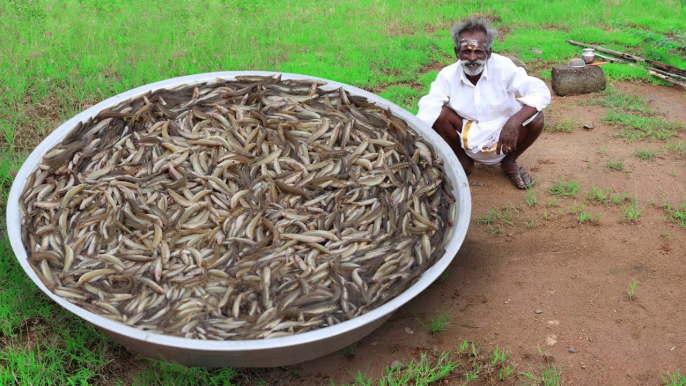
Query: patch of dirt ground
(542,289)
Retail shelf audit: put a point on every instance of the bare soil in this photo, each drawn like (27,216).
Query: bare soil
(560,286)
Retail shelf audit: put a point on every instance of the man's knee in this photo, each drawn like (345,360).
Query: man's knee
(536,125)
(448,125)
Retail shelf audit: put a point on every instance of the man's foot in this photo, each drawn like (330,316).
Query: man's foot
(466,162)
(468,169)
(521,179)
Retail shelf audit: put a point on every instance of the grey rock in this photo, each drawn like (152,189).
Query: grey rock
(572,349)
(408,331)
(578,80)
(576,62)
(539,311)
(396,365)
(517,62)
(537,51)
(478,183)
(588,126)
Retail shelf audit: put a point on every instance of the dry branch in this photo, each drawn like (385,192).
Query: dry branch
(633,58)
(611,59)
(608,51)
(675,76)
(666,77)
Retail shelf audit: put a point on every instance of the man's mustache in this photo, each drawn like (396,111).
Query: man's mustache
(472,62)
(473,67)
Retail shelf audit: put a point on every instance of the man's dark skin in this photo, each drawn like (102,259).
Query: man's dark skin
(514,138)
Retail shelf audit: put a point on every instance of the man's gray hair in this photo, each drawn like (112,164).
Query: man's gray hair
(472,23)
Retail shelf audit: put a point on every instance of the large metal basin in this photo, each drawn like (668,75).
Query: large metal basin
(248,353)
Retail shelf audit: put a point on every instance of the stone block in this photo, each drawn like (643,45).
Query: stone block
(578,80)
(517,62)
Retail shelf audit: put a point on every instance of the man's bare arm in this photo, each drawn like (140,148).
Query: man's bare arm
(508,135)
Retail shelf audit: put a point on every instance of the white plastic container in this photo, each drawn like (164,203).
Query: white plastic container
(247,353)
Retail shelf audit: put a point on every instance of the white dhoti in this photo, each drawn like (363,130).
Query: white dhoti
(480,139)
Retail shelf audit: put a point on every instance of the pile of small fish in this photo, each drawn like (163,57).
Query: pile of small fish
(243,209)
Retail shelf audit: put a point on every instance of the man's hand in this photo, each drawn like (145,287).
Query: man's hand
(507,142)
(508,136)
(447,126)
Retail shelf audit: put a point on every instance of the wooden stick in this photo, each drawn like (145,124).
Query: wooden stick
(667,75)
(633,58)
(607,51)
(675,76)
(610,59)
(666,67)
(667,78)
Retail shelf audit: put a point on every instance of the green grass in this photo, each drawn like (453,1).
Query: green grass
(445,275)
(435,325)
(49,72)
(631,73)
(20,299)
(633,127)
(464,364)
(349,350)
(563,188)
(531,197)
(632,114)
(674,379)
(598,195)
(616,166)
(632,289)
(619,198)
(75,353)
(424,371)
(677,148)
(496,219)
(404,96)
(361,378)
(644,154)
(676,214)
(160,373)
(618,100)
(582,215)
(632,211)
(564,126)
(550,376)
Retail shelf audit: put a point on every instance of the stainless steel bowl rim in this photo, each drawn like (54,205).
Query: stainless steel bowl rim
(428,277)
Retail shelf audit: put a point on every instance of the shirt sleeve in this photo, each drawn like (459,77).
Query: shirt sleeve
(532,91)
(431,104)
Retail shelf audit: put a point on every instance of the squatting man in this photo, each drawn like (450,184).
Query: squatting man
(487,109)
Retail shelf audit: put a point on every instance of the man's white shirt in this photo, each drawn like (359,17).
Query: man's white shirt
(493,96)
